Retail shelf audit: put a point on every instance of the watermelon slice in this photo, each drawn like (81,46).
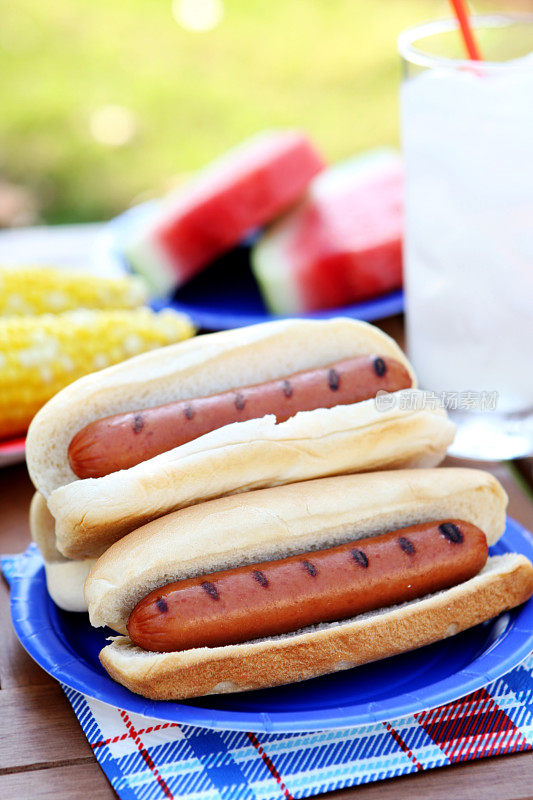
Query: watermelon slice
(245,188)
(341,244)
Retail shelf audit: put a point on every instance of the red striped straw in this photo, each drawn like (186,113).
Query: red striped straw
(463,17)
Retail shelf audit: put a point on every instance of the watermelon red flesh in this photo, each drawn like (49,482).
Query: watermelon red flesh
(342,244)
(246,188)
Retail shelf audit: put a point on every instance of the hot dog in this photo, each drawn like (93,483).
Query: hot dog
(124,440)
(291,582)
(276,597)
(228,381)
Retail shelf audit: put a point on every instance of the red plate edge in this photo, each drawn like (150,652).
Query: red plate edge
(12,450)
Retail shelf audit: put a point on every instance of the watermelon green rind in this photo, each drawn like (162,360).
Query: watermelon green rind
(311,259)
(246,187)
(271,269)
(149,260)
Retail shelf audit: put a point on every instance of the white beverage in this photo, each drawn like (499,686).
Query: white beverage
(468,148)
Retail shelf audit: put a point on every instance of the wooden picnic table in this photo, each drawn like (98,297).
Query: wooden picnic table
(44,752)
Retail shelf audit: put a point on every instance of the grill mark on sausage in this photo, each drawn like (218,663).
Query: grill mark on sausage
(451,532)
(333,380)
(360,558)
(122,440)
(261,578)
(337,578)
(210,589)
(161,603)
(380,368)
(138,423)
(406,545)
(310,568)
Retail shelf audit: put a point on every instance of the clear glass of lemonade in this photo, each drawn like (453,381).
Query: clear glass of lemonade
(467,130)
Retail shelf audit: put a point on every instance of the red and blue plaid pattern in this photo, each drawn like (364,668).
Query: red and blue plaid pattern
(147,760)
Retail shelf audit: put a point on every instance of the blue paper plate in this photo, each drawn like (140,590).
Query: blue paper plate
(225,295)
(66,646)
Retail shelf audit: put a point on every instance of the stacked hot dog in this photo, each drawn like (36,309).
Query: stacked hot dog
(255,517)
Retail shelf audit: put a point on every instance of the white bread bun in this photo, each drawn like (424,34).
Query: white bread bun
(91,514)
(42,529)
(198,367)
(505,582)
(273,523)
(64,578)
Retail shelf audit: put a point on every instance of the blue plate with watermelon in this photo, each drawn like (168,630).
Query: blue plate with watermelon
(66,646)
(342,240)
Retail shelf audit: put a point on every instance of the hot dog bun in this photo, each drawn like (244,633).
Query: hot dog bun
(201,366)
(64,577)
(273,523)
(506,581)
(91,514)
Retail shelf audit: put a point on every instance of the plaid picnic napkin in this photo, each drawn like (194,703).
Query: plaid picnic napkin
(145,759)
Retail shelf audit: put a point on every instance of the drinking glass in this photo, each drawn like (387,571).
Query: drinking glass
(467,132)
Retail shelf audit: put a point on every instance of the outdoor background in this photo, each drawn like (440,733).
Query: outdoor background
(104,104)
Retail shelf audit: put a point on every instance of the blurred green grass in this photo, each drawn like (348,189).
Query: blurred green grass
(327,66)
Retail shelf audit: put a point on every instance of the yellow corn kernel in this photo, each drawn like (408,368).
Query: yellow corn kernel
(42,290)
(41,355)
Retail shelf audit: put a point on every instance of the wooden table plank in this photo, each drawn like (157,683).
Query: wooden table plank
(16,667)
(502,778)
(63,782)
(524,469)
(17,491)
(40,719)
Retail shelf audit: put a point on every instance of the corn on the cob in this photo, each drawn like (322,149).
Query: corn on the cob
(43,290)
(41,355)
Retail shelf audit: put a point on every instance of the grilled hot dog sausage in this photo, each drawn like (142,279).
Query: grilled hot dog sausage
(277,597)
(123,440)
